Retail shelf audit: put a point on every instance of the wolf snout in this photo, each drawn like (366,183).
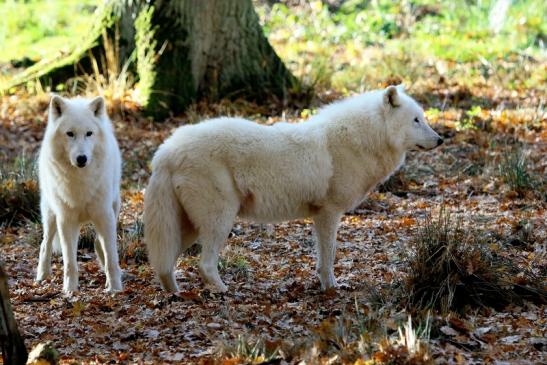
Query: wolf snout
(440,141)
(81,160)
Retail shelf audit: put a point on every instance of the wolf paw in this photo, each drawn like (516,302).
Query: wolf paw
(112,290)
(69,292)
(70,285)
(114,286)
(217,287)
(42,274)
(328,282)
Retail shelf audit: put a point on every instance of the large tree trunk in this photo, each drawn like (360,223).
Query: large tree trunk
(218,50)
(13,347)
(186,50)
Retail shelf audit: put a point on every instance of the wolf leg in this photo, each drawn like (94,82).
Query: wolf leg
(212,241)
(68,233)
(105,224)
(326,225)
(46,247)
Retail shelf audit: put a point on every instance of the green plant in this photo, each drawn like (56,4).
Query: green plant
(235,265)
(34,29)
(513,169)
(366,42)
(469,122)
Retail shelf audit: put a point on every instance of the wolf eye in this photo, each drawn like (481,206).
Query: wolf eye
(70,134)
(416,120)
(88,134)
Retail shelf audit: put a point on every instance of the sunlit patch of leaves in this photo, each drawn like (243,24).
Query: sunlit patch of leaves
(476,118)
(452,267)
(19,192)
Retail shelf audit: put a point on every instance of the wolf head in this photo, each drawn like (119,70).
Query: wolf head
(408,128)
(77,126)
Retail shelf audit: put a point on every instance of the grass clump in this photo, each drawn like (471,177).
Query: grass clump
(248,351)
(364,338)
(130,243)
(513,169)
(235,265)
(19,192)
(352,338)
(410,347)
(453,267)
(87,237)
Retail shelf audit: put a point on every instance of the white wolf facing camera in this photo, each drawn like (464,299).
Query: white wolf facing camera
(205,175)
(79,170)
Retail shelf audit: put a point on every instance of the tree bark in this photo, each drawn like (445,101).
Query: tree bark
(13,347)
(225,48)
(185,51)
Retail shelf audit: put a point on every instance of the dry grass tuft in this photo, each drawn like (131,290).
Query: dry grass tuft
(19,192)
(353,338)
(248,351)
(130,243)
(452,267)
(513,169)
(411,347)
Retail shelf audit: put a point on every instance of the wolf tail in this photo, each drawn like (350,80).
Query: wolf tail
(163,226)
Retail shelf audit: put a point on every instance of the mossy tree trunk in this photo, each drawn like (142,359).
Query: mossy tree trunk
(187,50)
(214,49)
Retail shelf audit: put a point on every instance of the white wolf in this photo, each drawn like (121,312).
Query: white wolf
(79,169)
(205,175)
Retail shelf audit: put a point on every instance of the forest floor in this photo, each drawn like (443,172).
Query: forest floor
(274,310)
(482,89)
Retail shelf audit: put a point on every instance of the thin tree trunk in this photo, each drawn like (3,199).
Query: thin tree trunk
(13,347)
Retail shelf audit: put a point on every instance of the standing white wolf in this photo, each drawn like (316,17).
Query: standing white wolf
(79,173)
(205,175)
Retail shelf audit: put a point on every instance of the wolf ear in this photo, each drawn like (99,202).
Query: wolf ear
(57,106)
(97,106)
(391,96)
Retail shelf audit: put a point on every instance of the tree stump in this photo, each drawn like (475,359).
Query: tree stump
(13,347)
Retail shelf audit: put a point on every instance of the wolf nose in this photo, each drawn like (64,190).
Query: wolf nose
(440,141)
(81,160)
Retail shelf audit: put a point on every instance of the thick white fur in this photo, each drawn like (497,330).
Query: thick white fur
(72,195)
(205,175)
